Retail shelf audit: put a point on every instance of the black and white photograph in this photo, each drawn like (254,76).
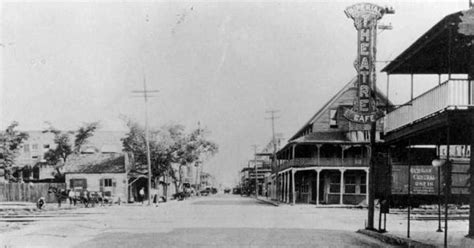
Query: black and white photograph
(236,123)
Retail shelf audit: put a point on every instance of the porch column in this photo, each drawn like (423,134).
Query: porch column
(293,198)
(367,185)
(471,198)
(342,186)
(317,186)
(287,187)
(283,186)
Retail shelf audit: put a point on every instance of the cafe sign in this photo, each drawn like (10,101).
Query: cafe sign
(365,16)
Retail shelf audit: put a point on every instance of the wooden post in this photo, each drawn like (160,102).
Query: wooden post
(317,187)
(409,188)
(447,183)
(371,194)
(341,191)
(367,185)
(471,197)
(471,180)
(293,198)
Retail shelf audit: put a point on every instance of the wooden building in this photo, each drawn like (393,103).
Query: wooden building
(443,115)
(326,161)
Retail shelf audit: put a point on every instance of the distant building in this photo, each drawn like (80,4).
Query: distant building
(99,172)
(33,150)
(254,175)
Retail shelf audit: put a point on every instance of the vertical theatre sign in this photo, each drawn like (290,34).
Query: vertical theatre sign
(365,16)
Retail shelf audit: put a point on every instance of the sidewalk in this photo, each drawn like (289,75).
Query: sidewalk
(422,232)
(266,200)
(423,225)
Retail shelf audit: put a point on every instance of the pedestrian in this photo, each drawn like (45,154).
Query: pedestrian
(142,194)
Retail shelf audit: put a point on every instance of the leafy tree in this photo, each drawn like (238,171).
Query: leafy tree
(10,144)
(83,133)
(162,143)
(195,147)
(65,147)
(169,146)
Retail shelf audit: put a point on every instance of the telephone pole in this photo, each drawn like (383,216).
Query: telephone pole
(272,118)
(255,169)
(147,94)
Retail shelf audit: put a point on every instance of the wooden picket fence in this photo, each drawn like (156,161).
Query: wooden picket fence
(28,192)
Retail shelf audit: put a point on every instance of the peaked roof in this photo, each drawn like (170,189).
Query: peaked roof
(348,86)
(96,163)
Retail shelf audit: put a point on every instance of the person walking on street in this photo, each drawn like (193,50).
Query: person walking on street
(142,194)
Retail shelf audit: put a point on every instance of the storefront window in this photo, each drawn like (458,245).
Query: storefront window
(335,185)
(350,184)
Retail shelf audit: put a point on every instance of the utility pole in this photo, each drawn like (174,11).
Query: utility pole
(255,169)
(272,118)
(147,94)
(197,163)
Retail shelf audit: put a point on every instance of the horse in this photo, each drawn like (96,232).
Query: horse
(82,197)
(60,194)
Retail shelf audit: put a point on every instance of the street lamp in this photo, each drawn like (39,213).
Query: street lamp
(437,163)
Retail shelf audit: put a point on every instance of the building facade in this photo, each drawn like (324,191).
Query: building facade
(99,172)
(327,160)
(442,117)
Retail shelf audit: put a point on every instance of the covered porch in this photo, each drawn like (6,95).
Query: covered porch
(324,185)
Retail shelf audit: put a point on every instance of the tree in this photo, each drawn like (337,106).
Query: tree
(64,147)
(169,146)
(162,146)
(192,148)
(83,133)
(10,144)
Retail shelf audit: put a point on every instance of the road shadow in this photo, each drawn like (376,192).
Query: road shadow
(235,237)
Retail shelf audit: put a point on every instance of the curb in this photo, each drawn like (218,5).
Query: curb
(394,240)
(268,202)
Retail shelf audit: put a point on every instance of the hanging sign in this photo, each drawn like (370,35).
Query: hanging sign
(365,16)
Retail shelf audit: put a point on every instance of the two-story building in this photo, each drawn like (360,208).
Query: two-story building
(326,161)
(443,116)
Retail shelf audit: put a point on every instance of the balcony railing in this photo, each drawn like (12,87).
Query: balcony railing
(454,92)
(326,162)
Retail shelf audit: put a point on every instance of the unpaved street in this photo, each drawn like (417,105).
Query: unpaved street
(214,221)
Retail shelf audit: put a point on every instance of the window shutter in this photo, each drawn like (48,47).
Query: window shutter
(84,186)
(114,185)
(71,183)
(101,185)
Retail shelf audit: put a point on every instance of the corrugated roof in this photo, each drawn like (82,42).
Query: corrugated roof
(95,163)
(451,41)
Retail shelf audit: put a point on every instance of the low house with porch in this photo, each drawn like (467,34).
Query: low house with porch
(326,161)
(99,172)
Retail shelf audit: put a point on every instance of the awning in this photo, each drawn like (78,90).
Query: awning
(445,48)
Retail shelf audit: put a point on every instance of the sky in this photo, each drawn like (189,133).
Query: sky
(220,63)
